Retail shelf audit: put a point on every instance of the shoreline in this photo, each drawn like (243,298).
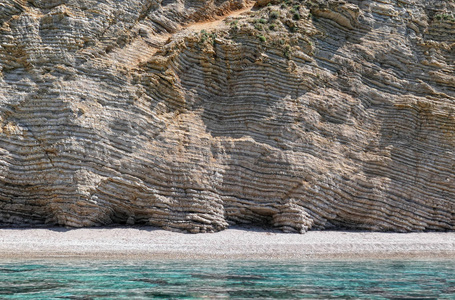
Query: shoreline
(232,243)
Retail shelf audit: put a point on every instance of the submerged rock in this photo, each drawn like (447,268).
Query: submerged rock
(193,115)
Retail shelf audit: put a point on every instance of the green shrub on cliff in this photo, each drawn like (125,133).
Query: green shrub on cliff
(274,15)
(445,17)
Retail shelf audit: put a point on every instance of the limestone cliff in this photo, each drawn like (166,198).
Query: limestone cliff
(196,114)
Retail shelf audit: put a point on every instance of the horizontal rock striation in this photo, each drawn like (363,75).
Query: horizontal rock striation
(193,116)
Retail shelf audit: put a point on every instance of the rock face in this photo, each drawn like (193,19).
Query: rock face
(194,115)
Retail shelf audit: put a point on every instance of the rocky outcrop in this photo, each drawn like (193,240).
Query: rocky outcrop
(192,116)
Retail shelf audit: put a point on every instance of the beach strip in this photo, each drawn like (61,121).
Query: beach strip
(233,243)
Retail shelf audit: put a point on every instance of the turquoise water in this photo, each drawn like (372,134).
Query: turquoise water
(135,279)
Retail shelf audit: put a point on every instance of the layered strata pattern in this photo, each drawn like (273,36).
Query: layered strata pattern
(297,115)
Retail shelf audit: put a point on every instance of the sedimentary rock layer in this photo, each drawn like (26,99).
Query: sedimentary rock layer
(193,115)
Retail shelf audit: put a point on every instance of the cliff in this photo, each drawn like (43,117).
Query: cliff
(196,114)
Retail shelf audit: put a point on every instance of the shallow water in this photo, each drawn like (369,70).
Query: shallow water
(182,279)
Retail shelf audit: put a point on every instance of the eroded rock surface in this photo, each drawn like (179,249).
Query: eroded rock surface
(298,115)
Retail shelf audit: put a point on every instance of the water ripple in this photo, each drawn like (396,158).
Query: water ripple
(227,279)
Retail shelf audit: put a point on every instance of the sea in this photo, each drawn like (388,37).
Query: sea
(226,279)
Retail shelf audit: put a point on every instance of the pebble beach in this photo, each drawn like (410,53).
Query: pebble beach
(233,243)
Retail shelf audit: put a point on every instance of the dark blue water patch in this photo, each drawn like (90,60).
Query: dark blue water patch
(184,279)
